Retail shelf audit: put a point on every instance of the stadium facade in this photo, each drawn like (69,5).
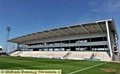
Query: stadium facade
(98,40)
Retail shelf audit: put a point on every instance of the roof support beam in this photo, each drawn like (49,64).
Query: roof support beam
(48,34)
(18,40)
(31,38)
(42,35)
(99,27)
(84,29)
(55,33)
(73,30)
(63,31)
(37,36)
(27,38)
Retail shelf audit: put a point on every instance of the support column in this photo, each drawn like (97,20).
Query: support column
(69,46)
(109,41)
(90,42)
(48,49)
(25,47)
(104,45)
(18,47)
(13,46)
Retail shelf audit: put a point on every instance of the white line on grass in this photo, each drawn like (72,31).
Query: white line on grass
(16,68)
(87,68)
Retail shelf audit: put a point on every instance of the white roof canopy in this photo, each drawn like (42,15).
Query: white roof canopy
(90,27)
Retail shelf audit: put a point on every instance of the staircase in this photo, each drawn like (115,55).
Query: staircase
(18,53)
(66,55)
(93,55)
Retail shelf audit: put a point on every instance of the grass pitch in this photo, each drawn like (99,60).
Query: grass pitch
(67,66)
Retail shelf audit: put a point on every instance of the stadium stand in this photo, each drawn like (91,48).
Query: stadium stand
(103,56)
(47,54)
(96,40)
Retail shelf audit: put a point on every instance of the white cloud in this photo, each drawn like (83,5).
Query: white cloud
(106,6)
(112,6)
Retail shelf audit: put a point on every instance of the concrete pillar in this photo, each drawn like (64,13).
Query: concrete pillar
(18,45)
(109,41)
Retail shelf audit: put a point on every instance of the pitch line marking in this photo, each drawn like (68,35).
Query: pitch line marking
(19,68)
(87,68)
(15,68)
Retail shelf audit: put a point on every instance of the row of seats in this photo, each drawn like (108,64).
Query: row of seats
(39,53)
(103,56)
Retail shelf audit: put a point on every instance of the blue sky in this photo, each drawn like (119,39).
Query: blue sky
(26,16)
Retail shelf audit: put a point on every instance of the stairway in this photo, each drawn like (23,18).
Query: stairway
(66,55)
(19,52)
(93,55)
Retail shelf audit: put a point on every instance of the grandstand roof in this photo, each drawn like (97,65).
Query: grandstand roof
(89,27)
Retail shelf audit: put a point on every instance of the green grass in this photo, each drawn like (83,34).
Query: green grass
(67,66)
